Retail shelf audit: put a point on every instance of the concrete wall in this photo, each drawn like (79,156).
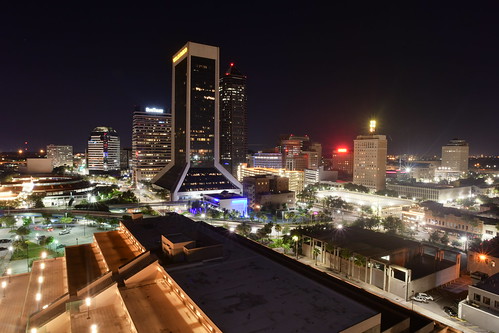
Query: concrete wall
(436,279)
(479,317)
(370,325)
(204,253)
(397,287)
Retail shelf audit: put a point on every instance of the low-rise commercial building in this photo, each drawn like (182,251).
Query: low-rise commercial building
(427,191)
(296,178)
(399,266)
(482,304)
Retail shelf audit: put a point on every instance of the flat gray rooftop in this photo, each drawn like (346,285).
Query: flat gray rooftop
(246,292)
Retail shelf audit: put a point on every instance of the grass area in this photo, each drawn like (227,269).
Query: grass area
(34,251)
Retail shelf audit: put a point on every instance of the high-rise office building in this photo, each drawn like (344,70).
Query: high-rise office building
(151,142)
(369,160)
(103,151)
(195,169)
(342,160)
(233,119)
(60,155)
(455,155)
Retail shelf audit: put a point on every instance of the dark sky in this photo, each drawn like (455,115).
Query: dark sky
(428,71)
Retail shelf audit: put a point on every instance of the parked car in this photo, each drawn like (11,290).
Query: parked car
(425,295)
(65,232)
(419,299)
(450,311)
(5,240)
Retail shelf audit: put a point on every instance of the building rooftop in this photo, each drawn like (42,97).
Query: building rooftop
(247,290)
(490,284)
(115,249)
(364,242)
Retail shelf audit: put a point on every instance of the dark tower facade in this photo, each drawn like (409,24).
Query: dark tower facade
(233,119)
(195,167)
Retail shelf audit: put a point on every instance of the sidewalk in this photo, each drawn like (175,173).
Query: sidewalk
(394,298)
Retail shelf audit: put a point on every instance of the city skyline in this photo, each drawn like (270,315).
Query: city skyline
(426,71)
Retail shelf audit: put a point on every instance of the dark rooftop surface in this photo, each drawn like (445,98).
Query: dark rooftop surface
(114,249)
(426,264)
(490,284)
(247,292)
(178,238)
(364,242)
(82,266)
(255,289)
(148,231)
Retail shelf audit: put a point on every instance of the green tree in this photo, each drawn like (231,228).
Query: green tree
(316,253)
(128,196)
(278,229)
(444,239)
(9,220)
(243,229)
(388,193)
(147,210)
(434,237)
(22,231)
(393,225)
(65,220)
(356,188)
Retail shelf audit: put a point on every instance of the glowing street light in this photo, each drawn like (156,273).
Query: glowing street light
(93,328)
(40,279)
(464,240)
(295,239)
(38,298)
(9,273)
(44,255)
(88,301)
(4,285)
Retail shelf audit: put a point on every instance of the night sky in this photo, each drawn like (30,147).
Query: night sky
(429,72)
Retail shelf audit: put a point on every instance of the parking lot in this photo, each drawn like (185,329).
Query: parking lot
(72,234)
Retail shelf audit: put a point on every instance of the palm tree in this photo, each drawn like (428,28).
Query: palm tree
(278,229)
(22,231)
(316,253)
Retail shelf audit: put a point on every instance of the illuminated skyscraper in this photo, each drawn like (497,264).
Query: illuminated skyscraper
(455,155)
(151,142)
(103,152)
(233,119)
(369,160)
(195,167)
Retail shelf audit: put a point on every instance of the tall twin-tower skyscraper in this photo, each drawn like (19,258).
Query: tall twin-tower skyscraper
(195,168)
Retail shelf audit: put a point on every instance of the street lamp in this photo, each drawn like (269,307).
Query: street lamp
(4,285)
(93,328)
(88,301)
(9,273)
(295,238)
(464,240)
(38,298)
(27,255)
(44,255)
